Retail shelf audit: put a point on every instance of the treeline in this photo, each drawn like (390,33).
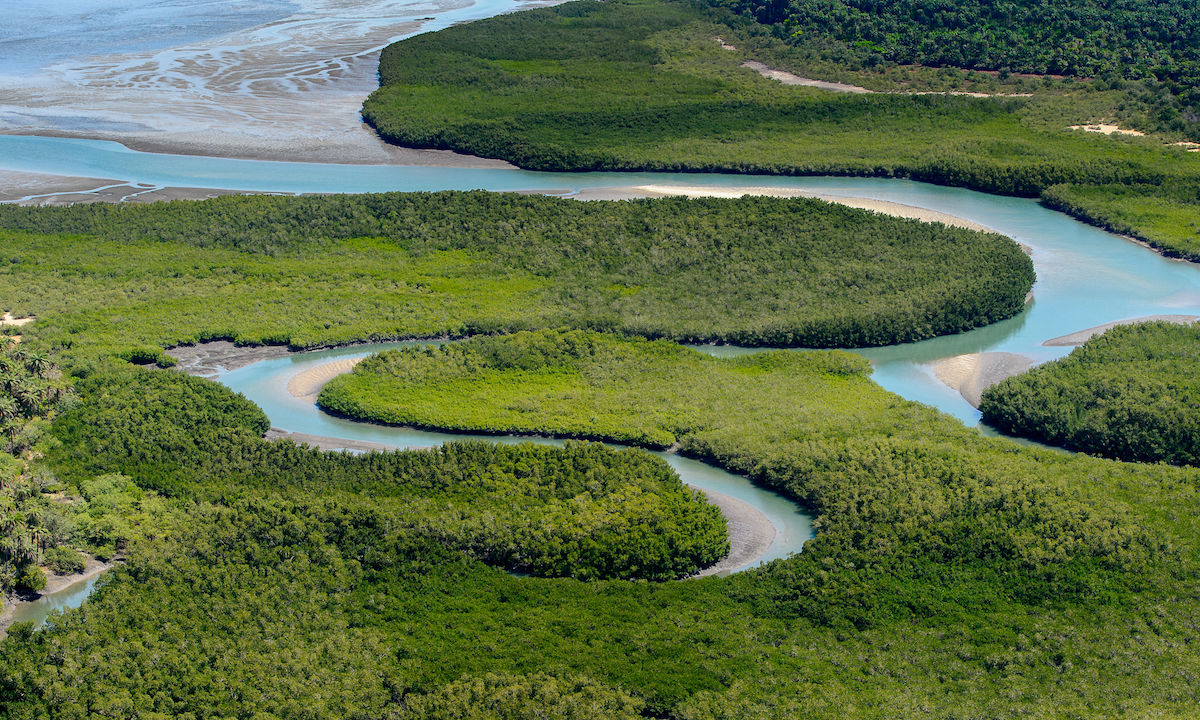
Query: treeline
(753,271)
(551,89)
(1124,40)
(34,531)
(277,580)
(580,511)
(1132,393)
(1164,215)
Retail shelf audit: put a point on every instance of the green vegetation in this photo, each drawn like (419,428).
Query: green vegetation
(311,271)
(1132,393)
(32,525)
(1164,216)
(635,84)
(963,575)
(1116,41)
(580,511)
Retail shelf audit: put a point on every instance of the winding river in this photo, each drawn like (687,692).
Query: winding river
(1086,277)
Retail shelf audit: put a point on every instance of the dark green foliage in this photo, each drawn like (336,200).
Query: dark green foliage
(1132,393)
(949,570)
(517,697)
(581,511)
(309,271)
(1119,40)
(65,561)
(545,89)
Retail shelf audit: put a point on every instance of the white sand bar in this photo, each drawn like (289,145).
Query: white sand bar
(1079,338)
(971,374)
(884,207)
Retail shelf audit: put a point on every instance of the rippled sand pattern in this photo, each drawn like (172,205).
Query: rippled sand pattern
(290,89)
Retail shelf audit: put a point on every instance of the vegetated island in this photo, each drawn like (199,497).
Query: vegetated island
(383,577)
(337,269)
(1132,393)
(636,84)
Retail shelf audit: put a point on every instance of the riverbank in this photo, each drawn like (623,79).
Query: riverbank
(1079,338)
(15,609)
(971,374)
(751,532)
(883,207)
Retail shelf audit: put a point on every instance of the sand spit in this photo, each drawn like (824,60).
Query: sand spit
(54,583)
(971,374)
(331,444)
(1079,338)
(788,78)
(1107,129)
(750,533)
(880,206)
(307,385)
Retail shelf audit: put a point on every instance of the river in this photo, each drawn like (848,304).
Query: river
(1086,277)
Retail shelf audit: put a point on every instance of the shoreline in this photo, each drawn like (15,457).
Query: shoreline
(973,373)
(750,532)
(54,584)
(1082,336)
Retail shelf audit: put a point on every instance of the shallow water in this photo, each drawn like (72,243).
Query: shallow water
(265,383)
(70,597)
(1086,276)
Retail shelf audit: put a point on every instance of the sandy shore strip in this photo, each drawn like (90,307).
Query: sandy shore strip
(750,533)
(54,584)
(8,319)
(971,374)
(788,78)
(307,385)
(331,444)
(1079,338)
(884,207)
(1107,129)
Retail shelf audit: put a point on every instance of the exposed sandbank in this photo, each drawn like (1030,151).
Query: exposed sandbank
(1079,338)
(880,206)
(788,78)
(54,583)
(307,385)
(208,359)
(971,374)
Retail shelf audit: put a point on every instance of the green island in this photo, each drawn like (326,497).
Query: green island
(948,571)
(1131,393)
(645,85)
(952,575)
(754,271)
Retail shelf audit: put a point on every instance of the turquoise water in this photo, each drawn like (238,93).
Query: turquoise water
(265,383)
(1086,277)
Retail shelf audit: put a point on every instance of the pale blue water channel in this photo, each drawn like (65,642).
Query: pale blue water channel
(265,383)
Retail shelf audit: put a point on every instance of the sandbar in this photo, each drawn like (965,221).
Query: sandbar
(971,374)
(1079,338)
(307,384)
(883,207)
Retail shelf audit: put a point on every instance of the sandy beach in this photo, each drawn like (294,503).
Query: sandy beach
(307,385)
(880,206)
(1079,338)
(971,374)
